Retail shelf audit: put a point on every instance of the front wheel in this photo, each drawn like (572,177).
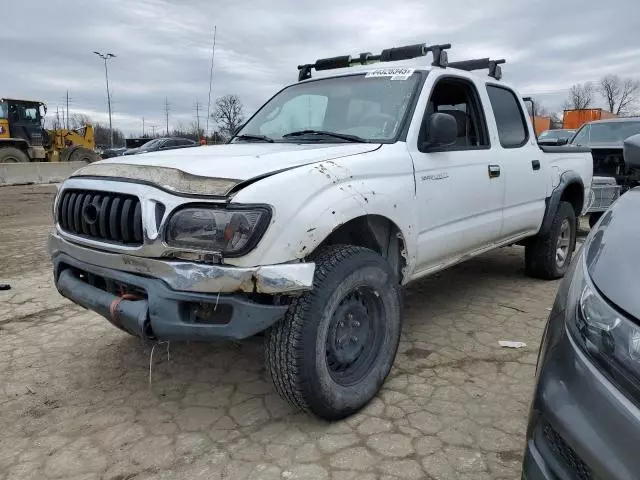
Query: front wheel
(548,256)
(334,349)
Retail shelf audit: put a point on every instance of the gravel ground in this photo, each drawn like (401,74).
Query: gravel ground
(78,399)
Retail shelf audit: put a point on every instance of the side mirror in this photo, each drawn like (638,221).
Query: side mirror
(562,141)
(441,131)
(631,151)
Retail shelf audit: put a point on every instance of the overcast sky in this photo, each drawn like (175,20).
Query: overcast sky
(163,48)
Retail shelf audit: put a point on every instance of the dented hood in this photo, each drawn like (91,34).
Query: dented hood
(217,169)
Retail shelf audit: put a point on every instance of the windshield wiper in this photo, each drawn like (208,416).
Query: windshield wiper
(341,136)
(261,138)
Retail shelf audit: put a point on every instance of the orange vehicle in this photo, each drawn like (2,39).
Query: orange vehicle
(574,119)
(541,124)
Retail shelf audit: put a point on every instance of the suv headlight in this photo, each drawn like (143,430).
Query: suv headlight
(230,231)
(610,338)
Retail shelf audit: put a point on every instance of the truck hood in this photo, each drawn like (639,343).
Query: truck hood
(218,169)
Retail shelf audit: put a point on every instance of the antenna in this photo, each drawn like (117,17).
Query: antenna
(213,54)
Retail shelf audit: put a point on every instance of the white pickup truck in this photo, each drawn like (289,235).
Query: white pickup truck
(335,194)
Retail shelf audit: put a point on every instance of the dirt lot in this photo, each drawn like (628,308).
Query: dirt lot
(77,400)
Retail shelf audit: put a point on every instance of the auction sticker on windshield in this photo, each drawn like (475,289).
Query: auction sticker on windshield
(394,73)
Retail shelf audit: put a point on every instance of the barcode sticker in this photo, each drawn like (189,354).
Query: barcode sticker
(398,73)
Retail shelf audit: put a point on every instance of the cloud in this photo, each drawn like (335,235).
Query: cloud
(163,47)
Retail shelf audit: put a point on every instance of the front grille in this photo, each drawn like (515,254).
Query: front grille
(112,217)
(565,453)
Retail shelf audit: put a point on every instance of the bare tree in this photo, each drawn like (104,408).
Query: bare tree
(619,94)
(228,113)
(101,134)
(79,120)
(580,97)
(536,106)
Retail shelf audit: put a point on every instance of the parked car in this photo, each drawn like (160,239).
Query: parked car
(585,416)
(335,194)
(612,177)
(559,136)
(112,152)
(159,144)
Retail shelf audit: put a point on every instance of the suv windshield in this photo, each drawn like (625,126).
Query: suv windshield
(368,108)
(607,133)
(555,134)
(151,143)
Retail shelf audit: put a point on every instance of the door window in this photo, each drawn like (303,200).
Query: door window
(510,119)
(458,98)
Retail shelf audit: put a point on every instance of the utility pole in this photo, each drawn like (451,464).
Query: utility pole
(142,127)
(153,130)
(213,53)
(106,57)
(67,109)
(166,113)
(198,119)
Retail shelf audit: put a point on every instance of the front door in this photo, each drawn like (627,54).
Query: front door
(459,188)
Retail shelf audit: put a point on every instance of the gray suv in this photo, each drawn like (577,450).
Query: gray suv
(584,422)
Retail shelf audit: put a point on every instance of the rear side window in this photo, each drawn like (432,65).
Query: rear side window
(510,119)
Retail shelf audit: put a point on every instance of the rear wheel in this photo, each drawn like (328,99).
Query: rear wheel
(548,256)
(333,350)
(12,155)
(79,154)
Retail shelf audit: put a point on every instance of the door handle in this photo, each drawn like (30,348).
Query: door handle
(494,171)
(535,164)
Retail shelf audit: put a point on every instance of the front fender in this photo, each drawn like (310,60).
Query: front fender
(311,201)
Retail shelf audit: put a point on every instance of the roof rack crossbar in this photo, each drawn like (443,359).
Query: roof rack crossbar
(395,54)
(495,70)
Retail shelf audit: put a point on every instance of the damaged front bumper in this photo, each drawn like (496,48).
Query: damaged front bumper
(286,278)
(175,300)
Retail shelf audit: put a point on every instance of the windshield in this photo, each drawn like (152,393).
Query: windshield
(3,110)
(150,144)
(612,132)
(555,134)
(371,108)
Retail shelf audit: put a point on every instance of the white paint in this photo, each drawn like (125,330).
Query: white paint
(444,204)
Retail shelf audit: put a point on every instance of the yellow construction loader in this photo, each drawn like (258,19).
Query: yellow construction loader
(24,139)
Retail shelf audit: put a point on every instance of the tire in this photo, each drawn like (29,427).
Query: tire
(543,258)
(79,154)
(12,155)
(315,358)
(594,217)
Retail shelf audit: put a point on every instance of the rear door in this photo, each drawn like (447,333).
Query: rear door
(522,165)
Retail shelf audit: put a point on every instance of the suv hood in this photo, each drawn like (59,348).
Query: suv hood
(613,253)
(217,169)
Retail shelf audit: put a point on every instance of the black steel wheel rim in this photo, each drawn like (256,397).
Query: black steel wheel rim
(355,335)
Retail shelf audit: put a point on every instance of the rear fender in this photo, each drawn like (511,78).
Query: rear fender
(553,202)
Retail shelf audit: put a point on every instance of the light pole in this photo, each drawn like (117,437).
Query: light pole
(105,57)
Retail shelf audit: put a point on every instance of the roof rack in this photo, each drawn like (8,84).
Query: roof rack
(395,54)
(495,70)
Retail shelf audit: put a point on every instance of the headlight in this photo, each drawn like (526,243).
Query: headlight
(606,335)
(232,232)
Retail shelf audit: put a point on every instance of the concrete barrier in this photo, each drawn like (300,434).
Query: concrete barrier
(36,172)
